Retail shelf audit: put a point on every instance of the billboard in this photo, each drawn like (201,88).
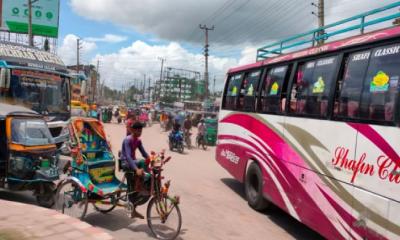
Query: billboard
(44,16)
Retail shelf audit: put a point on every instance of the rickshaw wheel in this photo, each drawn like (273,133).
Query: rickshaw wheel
(47,199)
(71,200)
(107,208)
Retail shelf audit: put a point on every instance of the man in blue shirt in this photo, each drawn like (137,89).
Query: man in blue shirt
(128,154)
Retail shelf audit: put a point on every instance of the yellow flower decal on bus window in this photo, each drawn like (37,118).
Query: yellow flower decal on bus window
(250,90)
(274,89)
(319,86)
(380,83)
(234,91)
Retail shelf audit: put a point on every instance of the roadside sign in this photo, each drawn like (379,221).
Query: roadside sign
(45,15)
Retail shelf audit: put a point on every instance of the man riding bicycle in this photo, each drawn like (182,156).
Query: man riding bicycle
(128,156)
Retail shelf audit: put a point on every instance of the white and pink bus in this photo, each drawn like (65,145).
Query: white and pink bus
(316,132)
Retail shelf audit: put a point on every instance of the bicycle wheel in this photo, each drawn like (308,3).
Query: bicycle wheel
(70,200)
(106,208)
(164,218)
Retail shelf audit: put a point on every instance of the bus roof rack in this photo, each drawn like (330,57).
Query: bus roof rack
(321,34)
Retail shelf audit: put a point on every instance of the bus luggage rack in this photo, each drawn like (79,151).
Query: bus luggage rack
(317,36)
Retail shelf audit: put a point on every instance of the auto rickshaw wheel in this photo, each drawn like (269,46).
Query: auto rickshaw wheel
(71,200)
(47,198)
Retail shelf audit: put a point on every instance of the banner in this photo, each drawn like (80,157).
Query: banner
(45,17)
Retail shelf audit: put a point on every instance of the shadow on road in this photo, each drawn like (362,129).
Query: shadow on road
(278,216)
(117,220)
(113,221)
(18,196)
(145,228)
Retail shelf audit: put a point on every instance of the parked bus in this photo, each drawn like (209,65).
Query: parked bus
(316,133)
(37,80)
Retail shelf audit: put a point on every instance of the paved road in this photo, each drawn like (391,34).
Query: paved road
(212,202)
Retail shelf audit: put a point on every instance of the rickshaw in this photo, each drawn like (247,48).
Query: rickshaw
(91,180)
(211,131)
(28,155)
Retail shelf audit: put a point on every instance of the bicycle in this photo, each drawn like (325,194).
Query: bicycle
(73,198)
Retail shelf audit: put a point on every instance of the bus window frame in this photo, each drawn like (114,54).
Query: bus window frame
(339,56)
(287,79)
(223,105)
(256,91)
(396,115)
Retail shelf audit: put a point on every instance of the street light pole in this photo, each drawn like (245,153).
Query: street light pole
(30,2)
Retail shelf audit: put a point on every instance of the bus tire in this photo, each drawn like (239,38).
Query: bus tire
(254,188)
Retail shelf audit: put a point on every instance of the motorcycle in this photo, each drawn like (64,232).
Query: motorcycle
(176,141)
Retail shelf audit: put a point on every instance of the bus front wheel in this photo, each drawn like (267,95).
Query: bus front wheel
(254,188)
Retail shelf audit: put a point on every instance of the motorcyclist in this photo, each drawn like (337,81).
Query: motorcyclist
(128,155)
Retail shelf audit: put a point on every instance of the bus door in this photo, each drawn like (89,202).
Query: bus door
(316,140)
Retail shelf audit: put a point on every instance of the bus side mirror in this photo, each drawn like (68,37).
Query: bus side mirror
(5,77)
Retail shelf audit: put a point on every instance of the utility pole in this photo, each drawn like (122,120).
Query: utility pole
(30,33)
(161,75)
(78,48)
(214,86)
(206,29)
(321,18)
(144,86)
(149,87)
(97,82)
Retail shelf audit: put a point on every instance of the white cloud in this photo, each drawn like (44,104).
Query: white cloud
(108,38)
(68,51)
(256,22)
(130,63)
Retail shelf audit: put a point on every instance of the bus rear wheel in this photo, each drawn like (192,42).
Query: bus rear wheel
(254,188)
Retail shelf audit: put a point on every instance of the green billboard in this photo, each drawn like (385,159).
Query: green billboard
(44,17)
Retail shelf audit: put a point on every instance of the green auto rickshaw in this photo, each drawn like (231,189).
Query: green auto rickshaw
(211,131)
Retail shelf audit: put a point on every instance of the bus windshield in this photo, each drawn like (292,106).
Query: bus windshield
(42,92)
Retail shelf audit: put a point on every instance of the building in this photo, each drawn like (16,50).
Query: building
(179,85)
(91,76)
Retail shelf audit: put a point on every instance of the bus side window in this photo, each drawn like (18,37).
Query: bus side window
(232,92)
(350,85)
(312,87)
(272,98)
(381,84)
(248,91)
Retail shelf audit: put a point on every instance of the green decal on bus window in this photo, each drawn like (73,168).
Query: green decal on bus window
(274,89)
(250,90)
(234,91)
(380,83)
(319,86)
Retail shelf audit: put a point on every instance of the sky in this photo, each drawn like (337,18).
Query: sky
(128,37)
